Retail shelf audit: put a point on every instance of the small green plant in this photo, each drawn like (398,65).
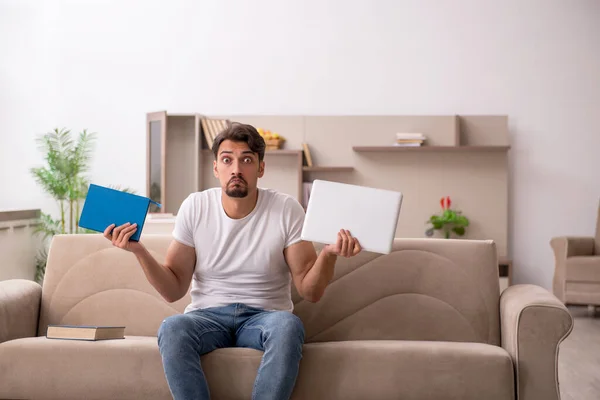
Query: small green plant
(64,178)
(449,221)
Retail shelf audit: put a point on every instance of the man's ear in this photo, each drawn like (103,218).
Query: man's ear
(215,169)
(261,169)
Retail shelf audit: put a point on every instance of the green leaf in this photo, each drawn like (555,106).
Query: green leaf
(450,215)
(48,227)
(459,230)
(80,156)
(462,221)
(52,183)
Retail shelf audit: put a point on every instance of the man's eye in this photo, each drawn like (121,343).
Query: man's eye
(247,160)
(226,159)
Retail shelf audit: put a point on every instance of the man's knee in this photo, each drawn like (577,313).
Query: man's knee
(288,326)
(173,329)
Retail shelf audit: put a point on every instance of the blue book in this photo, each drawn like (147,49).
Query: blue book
(104,206)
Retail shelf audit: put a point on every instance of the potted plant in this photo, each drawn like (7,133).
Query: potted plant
(64,178)
(449,221)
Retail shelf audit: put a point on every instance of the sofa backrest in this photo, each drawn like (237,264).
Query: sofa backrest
(426,289)
(90,282)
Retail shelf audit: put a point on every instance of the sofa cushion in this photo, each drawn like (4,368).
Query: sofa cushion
(583,269)
(41,368)
(407,370)
(131,369)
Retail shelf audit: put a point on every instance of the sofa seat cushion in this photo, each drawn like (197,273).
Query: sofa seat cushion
(42,368)
(583,269)
(407,370)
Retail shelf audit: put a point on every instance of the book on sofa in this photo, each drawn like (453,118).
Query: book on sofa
(104,206)
(85,332)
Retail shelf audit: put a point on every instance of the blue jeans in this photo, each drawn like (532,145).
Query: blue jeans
(183,338)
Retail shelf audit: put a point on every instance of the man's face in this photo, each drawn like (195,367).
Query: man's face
(237,168)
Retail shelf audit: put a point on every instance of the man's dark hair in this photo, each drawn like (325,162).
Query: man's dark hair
(238,132)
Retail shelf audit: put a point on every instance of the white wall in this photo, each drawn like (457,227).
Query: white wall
(102,65)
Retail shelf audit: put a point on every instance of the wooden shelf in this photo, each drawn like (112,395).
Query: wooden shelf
(431,149)
(182,115)
(283,152)
(327,169)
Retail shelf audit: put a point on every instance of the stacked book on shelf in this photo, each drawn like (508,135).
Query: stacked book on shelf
(409,139)
(211,128)
(306,156)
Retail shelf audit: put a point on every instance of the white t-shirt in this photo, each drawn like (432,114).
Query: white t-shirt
(240,260)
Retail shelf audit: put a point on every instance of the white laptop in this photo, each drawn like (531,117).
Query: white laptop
(370,214)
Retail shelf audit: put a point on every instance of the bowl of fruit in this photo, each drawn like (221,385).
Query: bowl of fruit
(273,140)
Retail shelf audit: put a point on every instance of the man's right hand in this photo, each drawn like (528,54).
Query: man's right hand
(120,235)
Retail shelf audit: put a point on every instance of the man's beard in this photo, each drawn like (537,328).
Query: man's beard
(238,190)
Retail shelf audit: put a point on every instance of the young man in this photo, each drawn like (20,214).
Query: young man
(240,248)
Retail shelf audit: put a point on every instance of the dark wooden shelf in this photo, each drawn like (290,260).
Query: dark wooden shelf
(449,149)
(505,268)
(327,169)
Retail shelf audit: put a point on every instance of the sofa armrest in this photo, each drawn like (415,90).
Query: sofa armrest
(533,324)
(19,308)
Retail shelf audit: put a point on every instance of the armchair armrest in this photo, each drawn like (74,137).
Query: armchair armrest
(533,324)
(565,247)
(19,308)
(569,246)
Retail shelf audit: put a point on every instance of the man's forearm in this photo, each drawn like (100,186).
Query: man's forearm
(318,276)
(159,276)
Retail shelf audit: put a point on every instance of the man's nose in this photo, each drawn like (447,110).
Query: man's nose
(235,167)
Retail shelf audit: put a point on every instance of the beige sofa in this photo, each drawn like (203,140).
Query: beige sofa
(577,268)
(424,322)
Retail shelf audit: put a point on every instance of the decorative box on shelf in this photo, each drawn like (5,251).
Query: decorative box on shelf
(273,140)
(274,144)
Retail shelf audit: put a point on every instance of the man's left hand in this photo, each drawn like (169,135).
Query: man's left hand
(346,245)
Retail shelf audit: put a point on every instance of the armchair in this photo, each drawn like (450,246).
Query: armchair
(577,268)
